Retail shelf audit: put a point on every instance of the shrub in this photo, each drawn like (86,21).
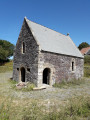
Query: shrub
(87,71)
(87,59)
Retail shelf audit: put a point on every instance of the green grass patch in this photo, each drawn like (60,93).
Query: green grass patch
(5,110)
(77,108)
(87,66)
(15,85)
(66,84)
(12,82)
(29,87)
(87,60)
(87,71)
(6,67)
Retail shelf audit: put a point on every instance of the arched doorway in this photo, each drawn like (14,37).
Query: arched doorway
(23,74)
(46,76)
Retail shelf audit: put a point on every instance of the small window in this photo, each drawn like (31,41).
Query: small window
(23,47)
(72,66)
(28,69)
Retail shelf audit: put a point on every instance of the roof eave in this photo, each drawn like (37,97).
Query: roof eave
(62,54)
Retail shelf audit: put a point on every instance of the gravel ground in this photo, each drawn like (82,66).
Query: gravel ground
(45,94)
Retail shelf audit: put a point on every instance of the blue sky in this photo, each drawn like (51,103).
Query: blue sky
(64,16)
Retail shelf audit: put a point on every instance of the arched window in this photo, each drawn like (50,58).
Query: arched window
(73,66)
(23,47)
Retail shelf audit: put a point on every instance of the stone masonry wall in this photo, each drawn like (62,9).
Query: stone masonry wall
(61,67)
(27,60)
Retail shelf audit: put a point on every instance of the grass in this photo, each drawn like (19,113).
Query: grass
(87,60)
(29,86)
(87,71)
(73,82)
(8,66)
(4,110)
(74,109)
(87,66)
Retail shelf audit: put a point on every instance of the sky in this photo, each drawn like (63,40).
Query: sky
(64,16)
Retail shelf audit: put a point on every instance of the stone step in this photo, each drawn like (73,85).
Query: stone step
(43,86)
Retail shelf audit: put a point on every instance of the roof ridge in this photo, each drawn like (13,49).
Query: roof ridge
(52,41)
(45,27)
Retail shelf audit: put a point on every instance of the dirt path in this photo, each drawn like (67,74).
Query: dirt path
(46,94)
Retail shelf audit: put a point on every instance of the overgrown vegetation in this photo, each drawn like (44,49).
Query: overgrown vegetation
(87,66)
(73,109)
(73,82)
(4,110)
(29,87)
(8,66)
(87,71)
(23,87)
(87,60)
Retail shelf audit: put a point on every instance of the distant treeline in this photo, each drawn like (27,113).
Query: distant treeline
(6,51)
(83,45)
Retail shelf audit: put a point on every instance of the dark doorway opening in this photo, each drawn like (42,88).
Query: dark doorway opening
(23,74)
(46,76)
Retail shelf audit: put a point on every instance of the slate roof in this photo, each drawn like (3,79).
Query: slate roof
(85,50)
(52,41)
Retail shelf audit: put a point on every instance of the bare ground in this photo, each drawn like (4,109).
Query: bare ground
(49,94)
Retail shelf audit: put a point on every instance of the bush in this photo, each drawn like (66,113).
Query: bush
(87,71)
(87,59)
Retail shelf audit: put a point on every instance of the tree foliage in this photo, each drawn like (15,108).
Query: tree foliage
(6,50)
(83,45)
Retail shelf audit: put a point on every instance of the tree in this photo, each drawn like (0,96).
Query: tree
(6,50)
(83,45)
